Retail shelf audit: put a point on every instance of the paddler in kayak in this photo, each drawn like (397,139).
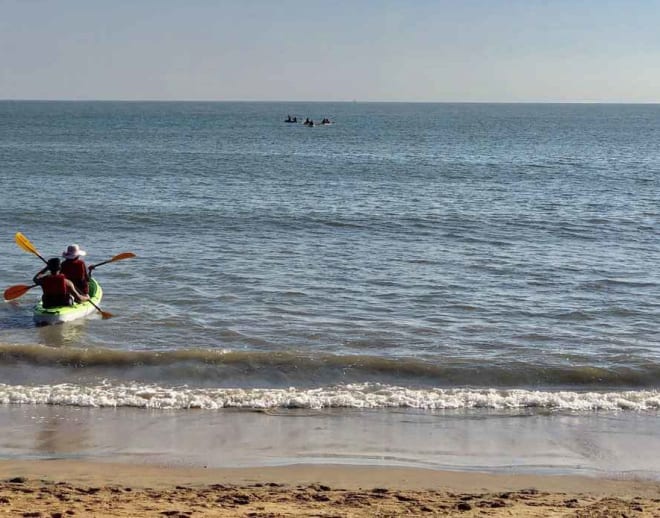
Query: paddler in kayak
(75,269)
(58,290)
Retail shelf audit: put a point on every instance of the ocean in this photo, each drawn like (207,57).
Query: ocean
(411,257)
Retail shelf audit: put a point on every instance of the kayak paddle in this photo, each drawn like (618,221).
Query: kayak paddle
(104,314)
(118,257)
(25,244)
(18,290)
(13,292)
(124,255)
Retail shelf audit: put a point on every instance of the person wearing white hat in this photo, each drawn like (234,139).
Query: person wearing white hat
(75,269)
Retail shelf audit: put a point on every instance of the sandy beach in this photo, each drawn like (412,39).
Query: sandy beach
(62,461)
(74,488)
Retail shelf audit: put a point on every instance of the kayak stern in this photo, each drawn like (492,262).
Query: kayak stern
(60,314)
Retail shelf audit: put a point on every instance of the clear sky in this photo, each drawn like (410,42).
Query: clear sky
(327,50)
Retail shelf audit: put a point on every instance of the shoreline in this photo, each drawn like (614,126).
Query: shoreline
(122,462)
(606,445)
(69,488)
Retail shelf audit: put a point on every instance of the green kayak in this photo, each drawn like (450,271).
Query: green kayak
(61,314)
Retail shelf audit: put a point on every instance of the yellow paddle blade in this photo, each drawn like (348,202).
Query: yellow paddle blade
(123,255)
(25,244)
(118,257)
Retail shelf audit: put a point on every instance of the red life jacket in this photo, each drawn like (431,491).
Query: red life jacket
(55,289)
(76,271)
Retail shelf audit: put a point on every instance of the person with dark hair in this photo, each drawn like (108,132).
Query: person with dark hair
(75,269)
(58,290)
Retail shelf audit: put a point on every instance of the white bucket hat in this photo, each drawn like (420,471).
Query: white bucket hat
(73,251)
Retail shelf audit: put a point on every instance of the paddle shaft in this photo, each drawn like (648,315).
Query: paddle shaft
(101,264)
(118,257)
(104,314)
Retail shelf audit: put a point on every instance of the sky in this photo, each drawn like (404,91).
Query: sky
(332,50)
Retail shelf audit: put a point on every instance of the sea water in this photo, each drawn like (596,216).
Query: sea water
(411,256)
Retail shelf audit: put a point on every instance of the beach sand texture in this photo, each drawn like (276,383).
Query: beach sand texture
(74,488)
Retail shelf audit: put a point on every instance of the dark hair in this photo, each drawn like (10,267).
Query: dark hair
(54,264)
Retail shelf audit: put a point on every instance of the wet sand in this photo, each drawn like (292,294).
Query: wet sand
(625,445)
(69,461)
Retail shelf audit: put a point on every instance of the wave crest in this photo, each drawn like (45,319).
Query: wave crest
(356,396)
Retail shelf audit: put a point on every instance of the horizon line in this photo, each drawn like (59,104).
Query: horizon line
(353,101)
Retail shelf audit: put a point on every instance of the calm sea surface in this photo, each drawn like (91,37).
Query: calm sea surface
(408,255)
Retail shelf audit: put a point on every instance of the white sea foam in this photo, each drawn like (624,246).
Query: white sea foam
(359,396)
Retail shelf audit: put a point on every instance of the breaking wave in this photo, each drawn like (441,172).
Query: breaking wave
(355,396)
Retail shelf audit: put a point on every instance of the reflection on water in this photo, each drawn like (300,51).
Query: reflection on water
(58,434)
(62,335)
(14,316)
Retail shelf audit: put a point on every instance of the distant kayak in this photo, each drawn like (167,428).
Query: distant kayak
(59,314)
